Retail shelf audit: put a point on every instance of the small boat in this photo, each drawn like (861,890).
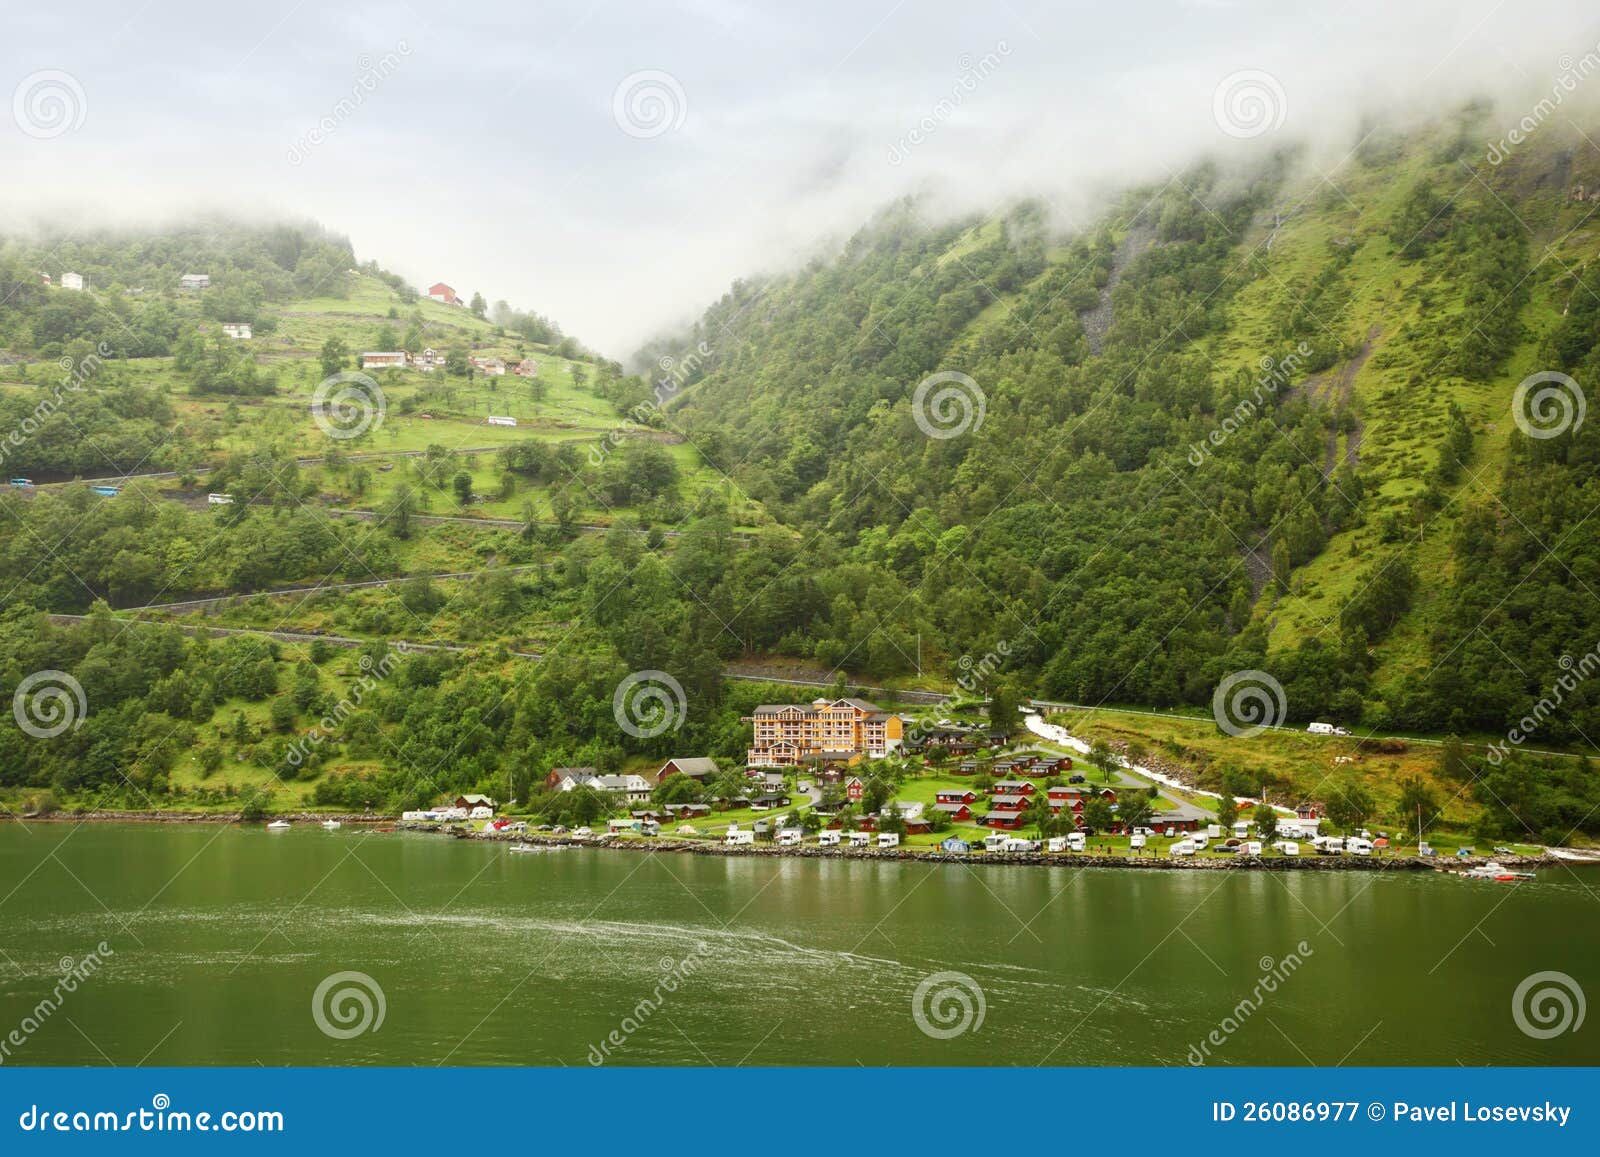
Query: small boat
(1494,870)
(523,849)
(331,825)
(278,826)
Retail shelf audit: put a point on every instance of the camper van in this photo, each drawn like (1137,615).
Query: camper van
(994,843)
(1136,841)
(1182,848)
(1357,846)
(859,839)
(888,839)
(1328,845)
(1287,847)
(1214,831)
(738,839)
(1325,729)
(788,837)
(1251,848)
(1198,842)
(827,839)
(1241,828)
(1056,844)
(1077,841)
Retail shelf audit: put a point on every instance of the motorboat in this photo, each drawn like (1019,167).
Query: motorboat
(278,826)
(331,825)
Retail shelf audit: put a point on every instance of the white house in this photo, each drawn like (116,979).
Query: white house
(635,787)
(195,281)
(220,499)
(495,420)
(384,359)
(72,281)
(238,330)
(494,367)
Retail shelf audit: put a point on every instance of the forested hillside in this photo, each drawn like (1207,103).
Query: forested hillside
(1240,421)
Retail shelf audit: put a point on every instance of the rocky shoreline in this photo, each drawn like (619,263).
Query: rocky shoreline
(1312,863)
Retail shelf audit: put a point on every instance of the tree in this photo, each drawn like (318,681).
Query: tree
(1266,818)
(1349,805)
(1101,755)
(1418,806)
(1135,809)
(478,307)
(462,484)
(1227,810)
(334,353)
(1097,814)
(1003,703)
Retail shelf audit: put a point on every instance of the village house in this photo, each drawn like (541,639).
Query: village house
(955,795)
(959,813)
(494,367)
(635,787)
(427,361)
(441,292)
(697,767)
(72,281)
(1008,803)
(384,360)
(688,810)
(567,778)
(237,330)
(1013,787)
(789,733)
(497,420)
(471,801)
(195,281)
(526,368)
(1004,820)
(854,790)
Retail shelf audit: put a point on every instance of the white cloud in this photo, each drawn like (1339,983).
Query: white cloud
(490,157)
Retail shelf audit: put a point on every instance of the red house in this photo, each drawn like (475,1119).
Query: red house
(1008,803)
(1005,821)
(854,790)
(955,795)
(1014,787)
(439,291)
(957,812)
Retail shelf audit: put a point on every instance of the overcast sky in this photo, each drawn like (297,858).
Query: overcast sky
(616,165)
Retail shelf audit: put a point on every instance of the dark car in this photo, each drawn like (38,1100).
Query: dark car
(1076,779)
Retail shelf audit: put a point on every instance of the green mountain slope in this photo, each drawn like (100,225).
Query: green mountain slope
(1238,422)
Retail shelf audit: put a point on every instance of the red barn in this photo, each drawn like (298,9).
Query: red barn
(854,790)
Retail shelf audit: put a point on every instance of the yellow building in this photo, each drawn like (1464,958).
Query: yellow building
(791,733)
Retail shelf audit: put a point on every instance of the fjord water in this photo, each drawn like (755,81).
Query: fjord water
(221,935)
